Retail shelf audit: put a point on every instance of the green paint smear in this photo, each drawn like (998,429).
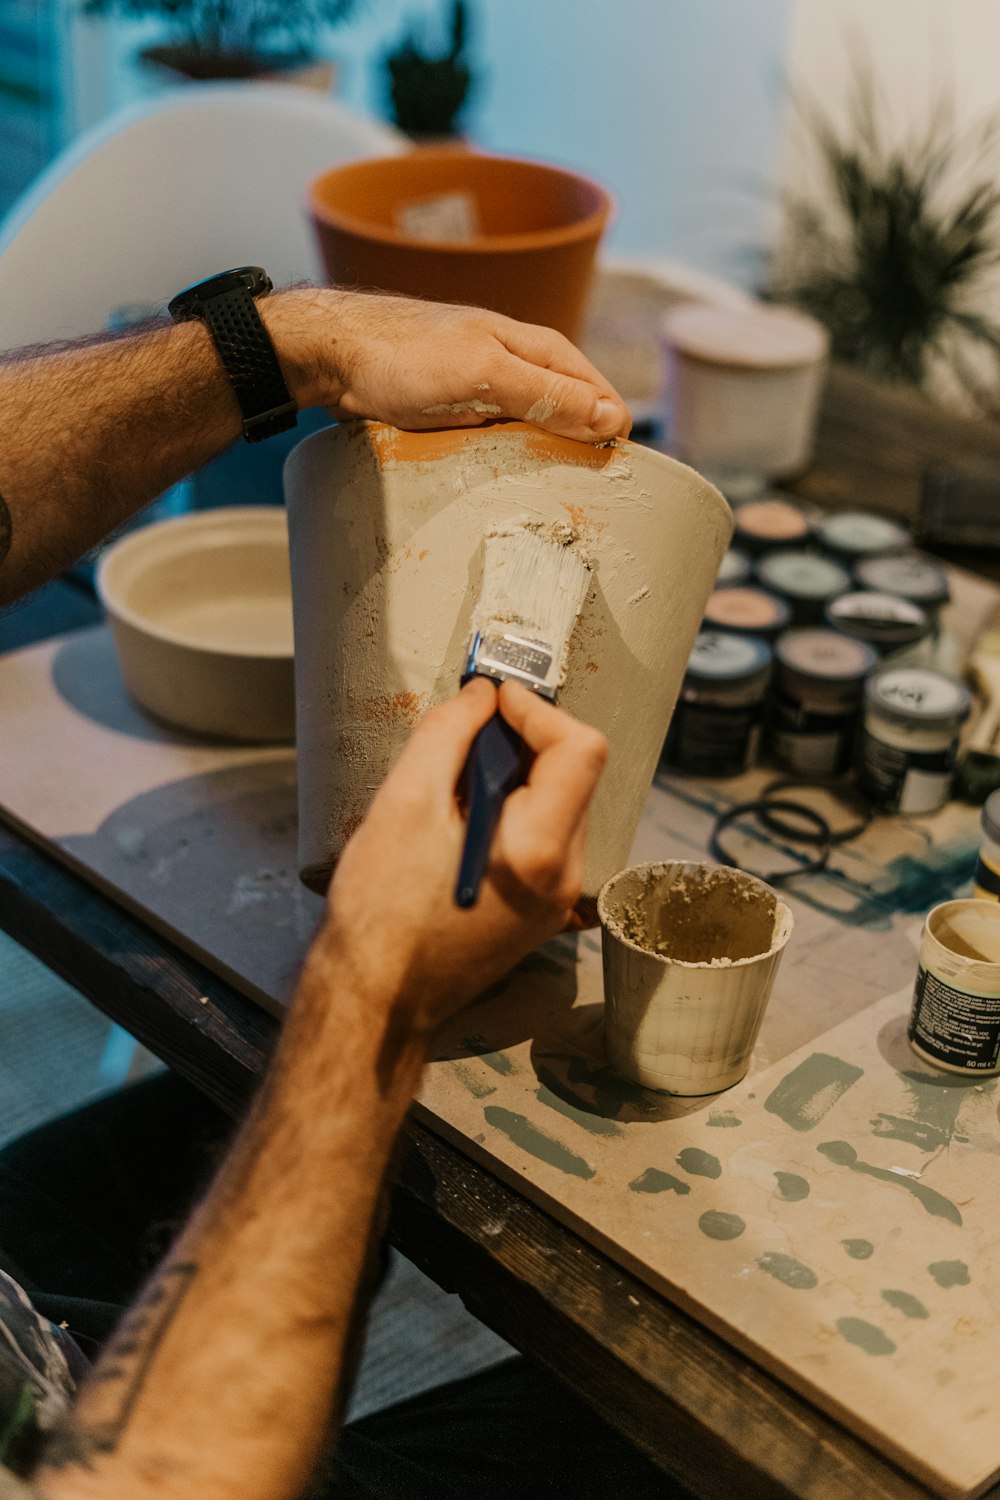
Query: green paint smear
(724,1122)
(698,1163)
(498,1061)
(858,1249)
(844,1155)
(950,1272)
(468,1080)
(929,1123)
(596,1124)
(865,1335)
(911,1306)
(720,1226)
(790,1272)
(791,1186)
(811,1090)
(655,1181)
(545,1147)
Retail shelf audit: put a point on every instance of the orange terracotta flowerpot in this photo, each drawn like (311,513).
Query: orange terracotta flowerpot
(517,236)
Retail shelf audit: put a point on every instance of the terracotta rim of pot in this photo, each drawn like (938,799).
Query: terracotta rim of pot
(590,225)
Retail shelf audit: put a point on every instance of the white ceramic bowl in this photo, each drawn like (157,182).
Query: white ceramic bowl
(201,612)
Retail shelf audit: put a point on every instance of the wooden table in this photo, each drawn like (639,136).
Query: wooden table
(704,1411)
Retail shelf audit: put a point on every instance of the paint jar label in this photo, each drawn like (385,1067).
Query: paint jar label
(953,1027)
(905,781)
(810,744)
(987,883)
(711,740)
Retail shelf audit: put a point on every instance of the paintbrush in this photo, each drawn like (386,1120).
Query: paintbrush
(532,592)
(979,767)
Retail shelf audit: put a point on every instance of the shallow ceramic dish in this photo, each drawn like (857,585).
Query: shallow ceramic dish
(201,612)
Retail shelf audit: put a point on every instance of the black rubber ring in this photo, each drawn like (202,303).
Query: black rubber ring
(794,783)
(745,809)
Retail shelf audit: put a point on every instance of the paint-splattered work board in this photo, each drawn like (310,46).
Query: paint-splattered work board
(755,1210)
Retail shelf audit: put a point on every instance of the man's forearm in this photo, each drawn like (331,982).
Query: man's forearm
(94,431)
(223,1378)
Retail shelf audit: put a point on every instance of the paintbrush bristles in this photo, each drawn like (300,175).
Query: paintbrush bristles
(532,586)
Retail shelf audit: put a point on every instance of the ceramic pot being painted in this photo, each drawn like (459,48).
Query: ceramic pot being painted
(387,536)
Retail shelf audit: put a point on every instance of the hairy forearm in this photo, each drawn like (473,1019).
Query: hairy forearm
(222,1380)
(93,431)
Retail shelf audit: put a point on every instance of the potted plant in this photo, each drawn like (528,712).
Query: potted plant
(427,92)
(219,39)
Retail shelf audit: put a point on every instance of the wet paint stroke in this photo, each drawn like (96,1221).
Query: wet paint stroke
(791,1186)
(844,1155)
(499,1061)
(467,1078)
(727,1121)
(810,1091)
(721,1226)
(788,1270)
(930,1120)
(698,1163)
(865,1336)
(546,1148)
(596,1124)
(910,1307)
(655,1181)
(858,1249)
(950,1272)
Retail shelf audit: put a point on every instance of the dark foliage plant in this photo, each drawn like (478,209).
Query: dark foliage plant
(427,92)
(895,250)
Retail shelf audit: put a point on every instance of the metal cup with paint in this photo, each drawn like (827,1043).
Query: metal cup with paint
(691,952)
(955,1019)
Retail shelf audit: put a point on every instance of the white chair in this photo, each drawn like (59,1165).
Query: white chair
(166,192)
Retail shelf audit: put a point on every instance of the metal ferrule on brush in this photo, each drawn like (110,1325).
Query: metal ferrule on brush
(510,657)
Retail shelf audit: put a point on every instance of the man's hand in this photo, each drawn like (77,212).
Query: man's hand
(395,931)
(429,364)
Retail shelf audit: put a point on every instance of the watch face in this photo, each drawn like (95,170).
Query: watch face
(254,278)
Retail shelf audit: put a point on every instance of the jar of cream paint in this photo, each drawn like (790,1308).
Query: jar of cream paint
(955,1017)
(987,882)
(906,753)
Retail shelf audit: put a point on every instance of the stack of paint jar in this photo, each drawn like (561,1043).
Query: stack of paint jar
(800,659)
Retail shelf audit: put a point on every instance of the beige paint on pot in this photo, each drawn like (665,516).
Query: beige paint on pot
(387,538)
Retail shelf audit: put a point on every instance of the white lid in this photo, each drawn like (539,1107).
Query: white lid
(758,338)
(916,695)
(860,532)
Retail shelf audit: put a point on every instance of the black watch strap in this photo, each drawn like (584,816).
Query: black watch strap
(225,304)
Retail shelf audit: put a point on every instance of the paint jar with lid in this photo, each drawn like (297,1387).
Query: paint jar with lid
(770,524)
(908,577)
(805,580)
(853,535)
(987,881)
(715,729)
(816,702)
(734,568)
(955,1017)
(885,621)
(906,752)
(747,611)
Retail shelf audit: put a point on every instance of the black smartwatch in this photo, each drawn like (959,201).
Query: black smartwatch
(225,304)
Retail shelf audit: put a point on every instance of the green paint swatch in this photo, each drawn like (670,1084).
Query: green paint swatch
(865,1335)
(655,1181)
(596,1124)
(950,1272)
(844,1155)
(468,1079)
(788,1270)
(724,1122)
(546,1148)
(811,1090)
(911,1306)
(791,1186)
(858,1249)
(699,1163)
(720,1226)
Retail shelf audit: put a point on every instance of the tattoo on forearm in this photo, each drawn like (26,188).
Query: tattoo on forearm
(121,1374)
(6,529)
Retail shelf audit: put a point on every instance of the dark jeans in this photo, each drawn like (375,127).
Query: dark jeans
(89,1204)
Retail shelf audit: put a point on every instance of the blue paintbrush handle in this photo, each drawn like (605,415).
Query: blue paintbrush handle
(496,765)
